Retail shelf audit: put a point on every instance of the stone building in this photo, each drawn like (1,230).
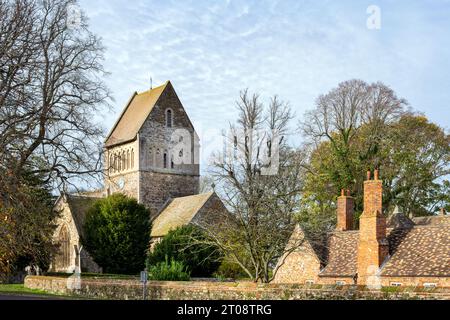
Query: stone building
(398,251)
(69,232)
(151,153)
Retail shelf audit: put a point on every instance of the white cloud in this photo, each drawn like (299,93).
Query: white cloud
(211,50)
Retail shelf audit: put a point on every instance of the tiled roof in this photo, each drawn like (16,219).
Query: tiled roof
(342,254)
(179,212)
(432,220)
(415,250)
(421,251)
(133,116)
(79,206)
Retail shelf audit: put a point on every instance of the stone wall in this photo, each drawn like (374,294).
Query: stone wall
(201,290)
(156,188)
(301,266)
(65,221)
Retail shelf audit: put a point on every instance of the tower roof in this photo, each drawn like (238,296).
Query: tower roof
(134,115)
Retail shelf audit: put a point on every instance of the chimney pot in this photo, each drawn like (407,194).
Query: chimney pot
(368,174)
(376,174)
(348,193)
(342,192)
(442,213)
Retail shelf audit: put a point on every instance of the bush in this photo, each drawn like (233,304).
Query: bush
(117,233)
(230,269)
(182,245)
(165,271)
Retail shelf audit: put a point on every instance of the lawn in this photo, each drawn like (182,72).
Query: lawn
(19,289)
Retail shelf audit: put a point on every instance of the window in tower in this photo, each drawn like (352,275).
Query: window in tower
(169,118)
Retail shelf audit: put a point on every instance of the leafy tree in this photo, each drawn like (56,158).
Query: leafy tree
(117,233)
(25,223)
(412,153)
(184,245)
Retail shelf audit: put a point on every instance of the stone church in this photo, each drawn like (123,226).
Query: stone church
(151,153)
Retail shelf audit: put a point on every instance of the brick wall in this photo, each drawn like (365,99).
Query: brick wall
(200,290)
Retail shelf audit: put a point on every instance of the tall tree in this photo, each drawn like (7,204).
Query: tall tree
(262,202)
(51,89)
(358,126)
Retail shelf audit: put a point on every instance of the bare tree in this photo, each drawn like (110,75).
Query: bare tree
(340,114)
(262,203)
(50,91)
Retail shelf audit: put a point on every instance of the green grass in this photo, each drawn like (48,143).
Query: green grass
(20,289)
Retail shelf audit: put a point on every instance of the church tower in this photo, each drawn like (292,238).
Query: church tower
(152,151)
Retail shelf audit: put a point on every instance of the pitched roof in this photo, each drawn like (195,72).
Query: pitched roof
(79,206)
(421,251)
(342,254)
(179,212)
(134,115)
(415,250)
(432,220)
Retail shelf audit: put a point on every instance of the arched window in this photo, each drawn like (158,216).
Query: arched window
(64,250)
(172,165)
(169,118)
(165,160)
(128,159)
(132,158)
(111,163)
(124,160)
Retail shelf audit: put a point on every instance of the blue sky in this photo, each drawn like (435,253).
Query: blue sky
(210,50)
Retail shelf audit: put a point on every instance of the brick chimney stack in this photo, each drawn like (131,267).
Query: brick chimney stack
(345,205)
(373,246)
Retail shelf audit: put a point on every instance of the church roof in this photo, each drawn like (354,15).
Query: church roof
(79,206)
(134,115)
(179,212)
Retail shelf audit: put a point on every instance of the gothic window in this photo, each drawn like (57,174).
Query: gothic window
(172,165)
(128,159)
(124,160)
(132,158)
(165,160)
(181,153)
(119,160)
(64,249)
(169,118)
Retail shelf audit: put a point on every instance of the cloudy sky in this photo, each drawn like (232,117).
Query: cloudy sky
(210,50)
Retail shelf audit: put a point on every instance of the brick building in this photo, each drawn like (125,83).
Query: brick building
(151,153)
(398,251)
